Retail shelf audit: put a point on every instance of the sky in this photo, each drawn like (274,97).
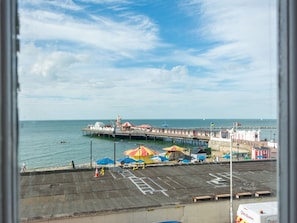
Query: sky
(147,59)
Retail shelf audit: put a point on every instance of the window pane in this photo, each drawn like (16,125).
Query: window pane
(196,74)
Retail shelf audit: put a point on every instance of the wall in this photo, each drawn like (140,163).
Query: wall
(202,212)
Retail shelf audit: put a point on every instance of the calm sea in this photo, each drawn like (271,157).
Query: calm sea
(40,141)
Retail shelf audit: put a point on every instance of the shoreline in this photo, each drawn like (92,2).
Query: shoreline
(84,166)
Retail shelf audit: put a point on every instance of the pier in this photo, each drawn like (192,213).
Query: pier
(195,136)
(192,136)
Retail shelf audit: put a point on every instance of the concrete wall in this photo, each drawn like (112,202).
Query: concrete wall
(223,145)
(202,212)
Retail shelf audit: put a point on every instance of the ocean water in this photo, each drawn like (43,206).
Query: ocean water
(45,144)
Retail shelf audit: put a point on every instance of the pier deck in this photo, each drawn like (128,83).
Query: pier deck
(136,134)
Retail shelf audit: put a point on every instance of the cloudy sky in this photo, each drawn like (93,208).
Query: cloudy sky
(147,59)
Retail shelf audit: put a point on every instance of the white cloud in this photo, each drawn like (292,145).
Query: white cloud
(102,65)
(124,38)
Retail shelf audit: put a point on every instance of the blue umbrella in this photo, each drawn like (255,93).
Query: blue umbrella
(161,158)
(227,156)
(104,161)
(201,158)
(139,161)
(126,160)
(185,161)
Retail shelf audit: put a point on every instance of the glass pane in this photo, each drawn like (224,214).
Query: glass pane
(185,89)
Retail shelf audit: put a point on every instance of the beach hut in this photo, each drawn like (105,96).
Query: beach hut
(261,152)
(175,152)
(141,153)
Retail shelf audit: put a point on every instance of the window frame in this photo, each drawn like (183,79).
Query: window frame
(9,180)
(287,112)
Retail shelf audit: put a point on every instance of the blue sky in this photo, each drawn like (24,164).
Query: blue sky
(97,59)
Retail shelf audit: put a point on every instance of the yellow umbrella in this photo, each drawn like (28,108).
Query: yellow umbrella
(175,148)
(141,153)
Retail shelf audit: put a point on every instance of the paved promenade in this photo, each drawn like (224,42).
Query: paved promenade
(56,194)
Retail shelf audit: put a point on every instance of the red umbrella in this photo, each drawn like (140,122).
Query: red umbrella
(140,151)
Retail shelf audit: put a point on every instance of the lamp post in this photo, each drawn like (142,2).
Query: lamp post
(237,151)
(91,154)
(114,146)
(273,140)
(231,183)
(114,153)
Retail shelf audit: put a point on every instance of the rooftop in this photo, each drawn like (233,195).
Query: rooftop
(77,192)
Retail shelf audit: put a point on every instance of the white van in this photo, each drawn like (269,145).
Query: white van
(262,212)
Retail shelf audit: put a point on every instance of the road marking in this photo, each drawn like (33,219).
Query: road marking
(143,186)
(167,183)
(176,182)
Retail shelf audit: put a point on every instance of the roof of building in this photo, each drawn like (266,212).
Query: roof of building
(77,192)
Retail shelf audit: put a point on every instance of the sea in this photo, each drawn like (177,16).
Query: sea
(49,144)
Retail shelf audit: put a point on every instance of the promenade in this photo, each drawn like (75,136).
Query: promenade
(68,194)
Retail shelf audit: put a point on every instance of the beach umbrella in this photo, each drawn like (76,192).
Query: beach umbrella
(185,161)
(140,151)
(201,158)
(139,161)
(159,158)
(126,160)
(175,148)
(227,156)
(104,161)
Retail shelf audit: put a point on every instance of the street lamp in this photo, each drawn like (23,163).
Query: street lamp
(237,151)
(91,154)
(114,153)
(231,173)
(114,146)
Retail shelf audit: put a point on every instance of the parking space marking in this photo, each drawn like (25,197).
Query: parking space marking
(142,185)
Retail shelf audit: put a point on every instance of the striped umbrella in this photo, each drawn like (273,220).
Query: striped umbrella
(140,151)
(175,148)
